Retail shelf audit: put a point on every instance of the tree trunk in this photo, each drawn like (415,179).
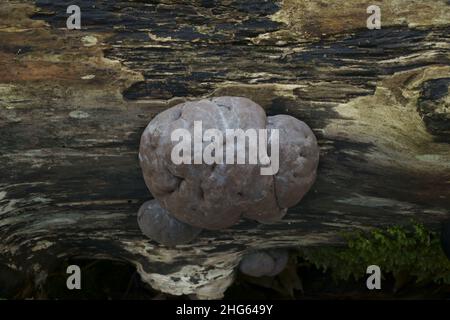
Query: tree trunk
(73,104)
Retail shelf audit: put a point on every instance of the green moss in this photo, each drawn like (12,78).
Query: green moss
(415,251)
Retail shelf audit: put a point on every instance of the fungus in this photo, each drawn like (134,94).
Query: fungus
(215,195)
(158,225)
(264,263)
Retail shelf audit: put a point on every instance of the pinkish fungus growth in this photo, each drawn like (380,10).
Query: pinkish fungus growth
(264,263)
(216,195)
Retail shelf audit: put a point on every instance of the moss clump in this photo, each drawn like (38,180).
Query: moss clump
(414,251)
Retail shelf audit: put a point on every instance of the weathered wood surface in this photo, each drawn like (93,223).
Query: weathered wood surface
(74,103)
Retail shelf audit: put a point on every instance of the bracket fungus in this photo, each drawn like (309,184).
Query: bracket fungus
(208,188)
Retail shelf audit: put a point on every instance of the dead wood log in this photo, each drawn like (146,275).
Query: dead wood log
(74,103)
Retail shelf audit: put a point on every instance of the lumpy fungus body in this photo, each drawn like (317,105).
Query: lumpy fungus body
(216,195)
